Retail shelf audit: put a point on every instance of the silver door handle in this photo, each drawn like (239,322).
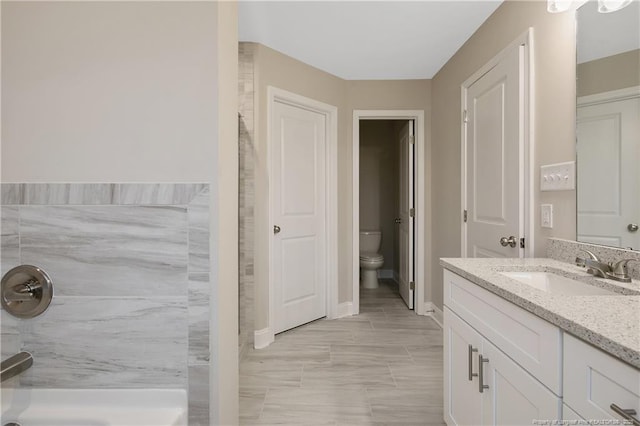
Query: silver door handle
(481,385)
(632,227)
(627,414)
(471,373)
(508,241)
(276,229)
(398,220)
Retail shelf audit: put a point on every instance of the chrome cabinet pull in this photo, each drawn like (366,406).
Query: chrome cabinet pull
(632,227)
(481,385)
(508,241)
(626,413)
(276,229)
(471,373)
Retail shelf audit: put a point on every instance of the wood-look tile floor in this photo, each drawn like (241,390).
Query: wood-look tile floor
(382,367)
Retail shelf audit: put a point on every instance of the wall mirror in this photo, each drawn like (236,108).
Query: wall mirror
(608,125)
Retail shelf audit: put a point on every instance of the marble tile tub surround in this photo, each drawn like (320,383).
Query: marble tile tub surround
(246,130)
(567,250)
(130,264)
(611,323)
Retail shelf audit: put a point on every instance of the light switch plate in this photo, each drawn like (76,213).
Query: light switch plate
(558,177)
(546,215)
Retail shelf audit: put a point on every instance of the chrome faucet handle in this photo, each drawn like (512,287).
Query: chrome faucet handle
(619,271)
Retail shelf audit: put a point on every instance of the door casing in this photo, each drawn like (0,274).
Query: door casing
(526,140)
(420,205)
(265,337)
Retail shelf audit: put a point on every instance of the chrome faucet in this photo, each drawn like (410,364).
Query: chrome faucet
(615,271)
(594,265)
(15,365)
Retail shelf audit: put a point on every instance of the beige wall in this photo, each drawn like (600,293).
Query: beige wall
(379,180)
(108,91)
(610,73)
(553,123)
(132,91)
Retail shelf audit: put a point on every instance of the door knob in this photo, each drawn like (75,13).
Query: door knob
(276,229)
(398,220)
(510,241)
(632,227)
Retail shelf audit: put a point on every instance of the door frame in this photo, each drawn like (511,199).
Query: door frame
(527,167)
(330,113)
(609,96)
(419,202)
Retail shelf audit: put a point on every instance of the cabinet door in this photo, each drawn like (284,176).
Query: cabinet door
(569,414)
(462,401)
(594,380)
(513,397)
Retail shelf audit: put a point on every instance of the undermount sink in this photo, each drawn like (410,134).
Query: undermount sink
(557,284)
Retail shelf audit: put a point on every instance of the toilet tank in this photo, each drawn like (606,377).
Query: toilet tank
(370,241)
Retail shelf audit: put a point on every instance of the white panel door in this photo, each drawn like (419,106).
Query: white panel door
(298,261)
(494,177)
(407,224)
(608,135)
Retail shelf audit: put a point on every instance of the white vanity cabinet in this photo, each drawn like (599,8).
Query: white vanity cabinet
(516,351)
(594,380)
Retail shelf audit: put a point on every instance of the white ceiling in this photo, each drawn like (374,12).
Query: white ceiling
(365,40)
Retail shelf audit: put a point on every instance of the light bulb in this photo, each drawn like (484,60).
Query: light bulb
(607,6)
(557,6)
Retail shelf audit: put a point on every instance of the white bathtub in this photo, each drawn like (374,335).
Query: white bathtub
(94,407)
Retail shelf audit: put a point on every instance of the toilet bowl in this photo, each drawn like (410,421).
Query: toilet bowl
(370,259)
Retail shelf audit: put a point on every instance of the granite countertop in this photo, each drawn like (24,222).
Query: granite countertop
(611,323)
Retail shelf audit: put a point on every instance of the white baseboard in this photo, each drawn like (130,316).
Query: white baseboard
(385,273)
(434,312)
(263,338)
(345,309)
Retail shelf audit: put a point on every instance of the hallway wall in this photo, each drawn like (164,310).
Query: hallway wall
(553,124)
(385,95)
(273,68)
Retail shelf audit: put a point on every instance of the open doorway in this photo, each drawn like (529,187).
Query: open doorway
(388,164)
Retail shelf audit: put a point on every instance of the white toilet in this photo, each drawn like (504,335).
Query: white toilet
(370,259)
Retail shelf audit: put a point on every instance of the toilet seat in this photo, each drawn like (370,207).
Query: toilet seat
(371,257)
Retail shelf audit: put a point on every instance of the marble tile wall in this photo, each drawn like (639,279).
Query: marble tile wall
(130,265)
(568,250)
(246,196)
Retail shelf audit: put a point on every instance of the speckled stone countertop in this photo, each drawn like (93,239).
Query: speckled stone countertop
(611,323)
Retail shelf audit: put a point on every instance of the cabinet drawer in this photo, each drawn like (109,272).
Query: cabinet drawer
(593,380)
(530,341)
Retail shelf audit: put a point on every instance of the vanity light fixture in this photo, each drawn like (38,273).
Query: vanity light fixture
(557,6)
(604,6)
